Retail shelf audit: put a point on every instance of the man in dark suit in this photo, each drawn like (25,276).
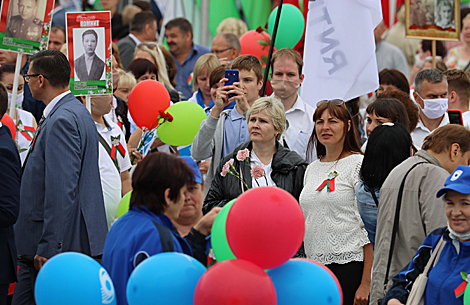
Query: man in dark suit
(61,202)
(143,28)
(10,178)
(89,66)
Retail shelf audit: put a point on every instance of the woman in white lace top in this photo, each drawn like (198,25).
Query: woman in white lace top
(334,232)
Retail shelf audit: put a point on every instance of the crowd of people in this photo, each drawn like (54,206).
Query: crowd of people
(382,179)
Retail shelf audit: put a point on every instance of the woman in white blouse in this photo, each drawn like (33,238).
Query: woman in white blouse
(334,232)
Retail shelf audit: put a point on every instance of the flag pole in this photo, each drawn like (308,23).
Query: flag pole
(271,47)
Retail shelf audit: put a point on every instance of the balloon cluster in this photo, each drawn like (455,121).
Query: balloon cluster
(260,230)
(149,98)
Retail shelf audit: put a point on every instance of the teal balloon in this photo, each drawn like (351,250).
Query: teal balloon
(219,241)
(291,26)
(123,206)
(187,116)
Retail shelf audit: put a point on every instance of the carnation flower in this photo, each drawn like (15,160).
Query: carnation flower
(243,154)
(257,171)
(226,168)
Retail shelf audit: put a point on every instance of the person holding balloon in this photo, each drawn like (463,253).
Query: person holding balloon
(159,186)
(334,232)
(448,271)
(24,121)
(278,166)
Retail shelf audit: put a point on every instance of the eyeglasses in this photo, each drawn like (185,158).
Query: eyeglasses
(220,51)
(151,46)
(336,102)
(28,76)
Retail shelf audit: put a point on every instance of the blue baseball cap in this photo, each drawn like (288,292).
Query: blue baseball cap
(192,164)
(459,181)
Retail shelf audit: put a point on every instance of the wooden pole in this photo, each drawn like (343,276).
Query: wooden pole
(88,102)
(434,54)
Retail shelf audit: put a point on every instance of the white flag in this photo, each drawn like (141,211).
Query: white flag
(339,52)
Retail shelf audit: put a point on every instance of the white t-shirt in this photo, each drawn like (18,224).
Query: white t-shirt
(254,160)
(25,132)
(110,177)
(334,231)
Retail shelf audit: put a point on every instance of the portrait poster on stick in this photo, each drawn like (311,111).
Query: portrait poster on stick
(24,25)
(89,52)
(433,19)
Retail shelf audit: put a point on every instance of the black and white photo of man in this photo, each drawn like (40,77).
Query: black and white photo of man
(89,66)
(25,25)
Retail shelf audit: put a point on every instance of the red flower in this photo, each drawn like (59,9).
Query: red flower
(169,117)
(257,172)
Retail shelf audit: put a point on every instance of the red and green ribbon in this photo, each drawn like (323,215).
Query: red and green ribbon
(117,147)
(461,288)
(329,183)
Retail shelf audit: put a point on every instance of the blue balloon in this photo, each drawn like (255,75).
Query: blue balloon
(74,279)
(166,278)
(301,281)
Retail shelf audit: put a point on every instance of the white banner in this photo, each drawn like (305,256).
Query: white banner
(339,50)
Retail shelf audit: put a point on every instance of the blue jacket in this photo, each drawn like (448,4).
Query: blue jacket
(133,238)
(444,278)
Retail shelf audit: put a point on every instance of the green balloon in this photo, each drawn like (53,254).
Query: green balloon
(466,295)
(291,26)
(219,241)
(187,116)
(123,206)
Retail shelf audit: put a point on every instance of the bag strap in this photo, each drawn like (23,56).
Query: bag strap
(395,222)
(375,197)
(435,255)
(108,150)
(166,237)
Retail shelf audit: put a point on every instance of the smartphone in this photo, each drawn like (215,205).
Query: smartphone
(455,116)
(232,76)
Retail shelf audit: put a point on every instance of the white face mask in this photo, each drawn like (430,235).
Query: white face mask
(434,108)
(461,236)
(19,98)
(418,61)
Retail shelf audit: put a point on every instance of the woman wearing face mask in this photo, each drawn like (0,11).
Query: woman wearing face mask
(24,121)
(446,283)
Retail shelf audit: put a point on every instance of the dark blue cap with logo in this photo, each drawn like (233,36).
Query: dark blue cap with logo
(192,164)
(459,181)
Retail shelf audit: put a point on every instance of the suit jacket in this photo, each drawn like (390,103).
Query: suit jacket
(96,70)
(10,177)
(126,48)
(62,207)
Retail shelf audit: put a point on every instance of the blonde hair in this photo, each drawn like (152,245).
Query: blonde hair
(208,62)
(232,25)
(126,79)
(129,12)
(274,108)
(157,55)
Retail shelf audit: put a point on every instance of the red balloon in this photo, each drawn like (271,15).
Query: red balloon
(265,226)
(9,122)
(145,100)
(234,282)
(256,44)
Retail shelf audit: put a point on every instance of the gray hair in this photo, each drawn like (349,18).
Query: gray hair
(433,76)
(274,108)
(232,41)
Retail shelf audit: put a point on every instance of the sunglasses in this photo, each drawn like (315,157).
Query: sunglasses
(336,102)
(151,46)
